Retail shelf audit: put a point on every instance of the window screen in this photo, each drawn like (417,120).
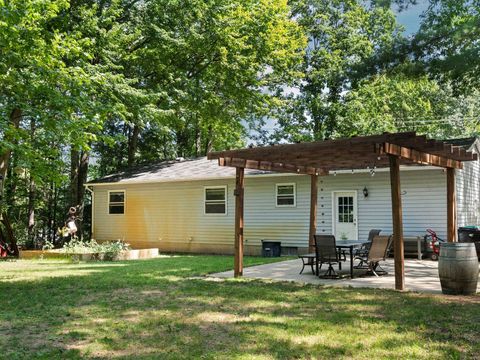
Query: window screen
(116,202)
(216,200)
(285,194)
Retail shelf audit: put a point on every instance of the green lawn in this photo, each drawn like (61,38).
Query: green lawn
(158,309)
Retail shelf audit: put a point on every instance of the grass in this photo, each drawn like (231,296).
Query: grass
(161,309)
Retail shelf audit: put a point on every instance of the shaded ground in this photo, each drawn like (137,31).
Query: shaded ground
(155,309)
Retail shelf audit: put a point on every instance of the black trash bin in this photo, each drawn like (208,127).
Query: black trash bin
(470,234)
(271,248)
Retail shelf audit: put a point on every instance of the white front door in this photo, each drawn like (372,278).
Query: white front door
(345,215)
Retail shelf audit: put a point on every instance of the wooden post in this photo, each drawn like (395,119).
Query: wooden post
(397,222)
(451,206)
(239,191)
(313,211)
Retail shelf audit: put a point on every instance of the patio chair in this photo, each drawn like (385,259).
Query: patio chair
(377,252)
(363,250)
(326,253)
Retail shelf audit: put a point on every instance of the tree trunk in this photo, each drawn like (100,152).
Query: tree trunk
(31,192)
(198,137)
(82,177)
(74,164)
(80,161)
(31,210)
(132,145)
(209,140)
(331,118)
(15,118)
(54,217)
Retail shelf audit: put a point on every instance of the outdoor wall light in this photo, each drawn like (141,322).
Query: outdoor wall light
(365,192)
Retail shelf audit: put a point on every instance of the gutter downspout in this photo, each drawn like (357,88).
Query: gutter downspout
(92,194)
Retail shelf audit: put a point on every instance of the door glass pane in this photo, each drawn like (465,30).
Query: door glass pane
(345,209)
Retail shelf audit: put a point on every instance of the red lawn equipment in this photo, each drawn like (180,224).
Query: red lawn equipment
(433,244)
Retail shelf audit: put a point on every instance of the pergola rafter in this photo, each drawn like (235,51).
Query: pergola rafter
(321,157)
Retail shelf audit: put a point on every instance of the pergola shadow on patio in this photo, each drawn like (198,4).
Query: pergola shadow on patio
(322,157)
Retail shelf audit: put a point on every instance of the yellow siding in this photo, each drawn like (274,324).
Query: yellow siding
(170,216)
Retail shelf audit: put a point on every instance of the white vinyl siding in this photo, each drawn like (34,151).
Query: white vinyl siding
(468,193)
(424,200)
(171,215)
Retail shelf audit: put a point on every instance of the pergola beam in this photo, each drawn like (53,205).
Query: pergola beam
(419,156)
(303,149)
(344,148)
(270,166)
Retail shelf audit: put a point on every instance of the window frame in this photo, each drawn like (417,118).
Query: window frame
(124,201)
(205,188)
(294,195)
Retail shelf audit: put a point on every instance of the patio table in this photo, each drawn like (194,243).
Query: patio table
(350,245)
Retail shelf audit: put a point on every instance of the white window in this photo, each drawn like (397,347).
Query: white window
(216,200)
(116,202)
(285,195)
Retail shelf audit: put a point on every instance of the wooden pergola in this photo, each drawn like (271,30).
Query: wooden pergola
(321,157)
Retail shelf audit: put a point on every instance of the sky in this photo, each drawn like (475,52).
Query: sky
(410,18)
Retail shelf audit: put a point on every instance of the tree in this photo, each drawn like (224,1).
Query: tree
(447,43)
(348,42)
(218,63)
(399,103)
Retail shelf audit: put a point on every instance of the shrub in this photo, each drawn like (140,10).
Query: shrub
(104,251)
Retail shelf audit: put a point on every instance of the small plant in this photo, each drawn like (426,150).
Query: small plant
(48,245)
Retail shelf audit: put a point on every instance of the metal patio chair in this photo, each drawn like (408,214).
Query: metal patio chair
(378,252)
(326,253)
(363,250)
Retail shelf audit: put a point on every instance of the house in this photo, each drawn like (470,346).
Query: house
(188,205)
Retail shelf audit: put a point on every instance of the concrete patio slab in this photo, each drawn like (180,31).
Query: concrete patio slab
(420,275)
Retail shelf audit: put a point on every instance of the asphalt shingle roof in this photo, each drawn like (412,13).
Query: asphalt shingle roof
(177,170)
(199,168)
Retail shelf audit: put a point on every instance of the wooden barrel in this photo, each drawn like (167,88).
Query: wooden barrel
(458,268)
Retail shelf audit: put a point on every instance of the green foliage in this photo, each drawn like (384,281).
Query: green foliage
(399,103)
(102,251)
(217,64)
(447,42)
(348,42)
